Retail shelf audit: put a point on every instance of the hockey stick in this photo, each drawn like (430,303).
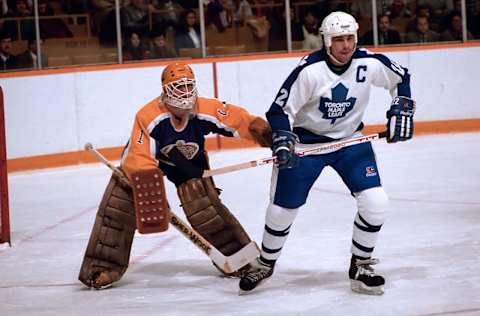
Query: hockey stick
(306,152)
(227,264)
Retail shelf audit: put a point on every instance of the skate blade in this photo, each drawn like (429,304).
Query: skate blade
(361,288)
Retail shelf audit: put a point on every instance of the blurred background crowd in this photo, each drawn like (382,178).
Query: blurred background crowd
(60,33)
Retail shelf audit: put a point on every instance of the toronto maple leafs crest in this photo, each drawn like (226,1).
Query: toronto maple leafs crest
(338,106)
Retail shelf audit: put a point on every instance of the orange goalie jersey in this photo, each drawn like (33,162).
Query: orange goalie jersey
(155,133)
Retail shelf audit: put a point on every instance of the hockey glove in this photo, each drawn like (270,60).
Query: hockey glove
(283,147)
(400,119)
(186,166)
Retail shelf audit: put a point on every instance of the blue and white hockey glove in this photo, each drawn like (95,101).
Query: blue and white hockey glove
(400,119)
(283,147)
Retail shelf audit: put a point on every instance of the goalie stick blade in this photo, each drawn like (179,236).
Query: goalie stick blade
(236,261)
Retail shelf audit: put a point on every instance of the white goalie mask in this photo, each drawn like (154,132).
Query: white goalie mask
(338,24)
(179,88)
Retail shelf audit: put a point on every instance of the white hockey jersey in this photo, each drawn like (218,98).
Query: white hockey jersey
(321,106)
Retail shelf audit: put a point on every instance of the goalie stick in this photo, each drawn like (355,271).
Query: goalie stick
(306,152)
(227,264)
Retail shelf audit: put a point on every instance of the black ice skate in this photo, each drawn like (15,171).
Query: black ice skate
(258,272)
(363,278)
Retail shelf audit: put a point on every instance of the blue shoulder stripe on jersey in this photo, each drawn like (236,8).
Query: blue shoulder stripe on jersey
(404,86)
(277,118)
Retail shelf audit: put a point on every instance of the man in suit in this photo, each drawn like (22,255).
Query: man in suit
(7,59)
(386,35)
(29,58)
(422,32)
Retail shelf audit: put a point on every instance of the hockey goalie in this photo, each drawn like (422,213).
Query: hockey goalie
(168,137)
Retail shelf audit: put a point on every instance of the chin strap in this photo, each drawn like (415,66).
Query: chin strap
(336,60)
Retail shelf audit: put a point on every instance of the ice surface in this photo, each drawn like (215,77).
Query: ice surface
(429,247)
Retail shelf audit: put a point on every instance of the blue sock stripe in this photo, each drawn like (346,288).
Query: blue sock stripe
(278,233)
(269,250)
(366,229)
(364,222)
(362,248)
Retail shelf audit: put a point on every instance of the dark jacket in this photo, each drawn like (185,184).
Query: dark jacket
(25,60)
(389,37)
(10,63)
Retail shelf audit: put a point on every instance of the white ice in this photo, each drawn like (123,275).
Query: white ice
(429,247)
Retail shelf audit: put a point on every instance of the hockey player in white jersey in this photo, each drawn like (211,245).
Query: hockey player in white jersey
(323,100)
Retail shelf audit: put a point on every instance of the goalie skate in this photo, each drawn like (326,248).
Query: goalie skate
(257,274)
(363,278)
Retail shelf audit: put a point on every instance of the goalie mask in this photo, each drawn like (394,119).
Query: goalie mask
(338,24)
(178,86)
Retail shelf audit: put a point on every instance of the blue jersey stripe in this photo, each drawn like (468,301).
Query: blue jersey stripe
(403,88)
(277,118)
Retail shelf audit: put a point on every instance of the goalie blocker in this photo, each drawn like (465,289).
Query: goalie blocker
(151,206)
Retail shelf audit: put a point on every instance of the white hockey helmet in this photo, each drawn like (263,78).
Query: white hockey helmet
(179,88)
(337,24)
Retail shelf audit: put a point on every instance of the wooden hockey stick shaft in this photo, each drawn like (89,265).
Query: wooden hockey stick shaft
(227,264)
(306,152)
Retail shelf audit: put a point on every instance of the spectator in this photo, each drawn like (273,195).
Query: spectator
(455,31)
(438,7)
(7,59)
(473,20)
(169,15)
(54,27)
(386,35)
(76,6)
(259,24)
(159,48)
(398,9)
(243,12)
(6,12)
(277,38)
(325,7)
(188,33)
(220,14)
(134,48)
(312,37)
(422,32)
(134,17)
(4,9)
(422,10)
(104,18)
(27,26)
(362,9)
(189,4)
(29,58)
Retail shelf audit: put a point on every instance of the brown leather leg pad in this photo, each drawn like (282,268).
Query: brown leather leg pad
(210,218)
(111,239)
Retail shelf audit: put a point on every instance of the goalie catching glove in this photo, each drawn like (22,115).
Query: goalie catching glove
(400,119)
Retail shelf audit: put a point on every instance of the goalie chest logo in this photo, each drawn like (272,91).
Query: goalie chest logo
(338,106)
(189,150)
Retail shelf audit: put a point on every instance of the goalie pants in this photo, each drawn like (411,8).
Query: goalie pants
(357,167)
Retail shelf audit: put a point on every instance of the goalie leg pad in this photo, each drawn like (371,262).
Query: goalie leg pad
(108,251)
(210,217)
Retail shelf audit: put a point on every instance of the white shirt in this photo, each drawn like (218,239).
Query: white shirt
(193,35)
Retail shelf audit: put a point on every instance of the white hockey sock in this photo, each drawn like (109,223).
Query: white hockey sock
(371,205)
(277,227)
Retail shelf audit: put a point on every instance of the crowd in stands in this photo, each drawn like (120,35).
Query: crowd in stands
(155,29)
(424,21)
